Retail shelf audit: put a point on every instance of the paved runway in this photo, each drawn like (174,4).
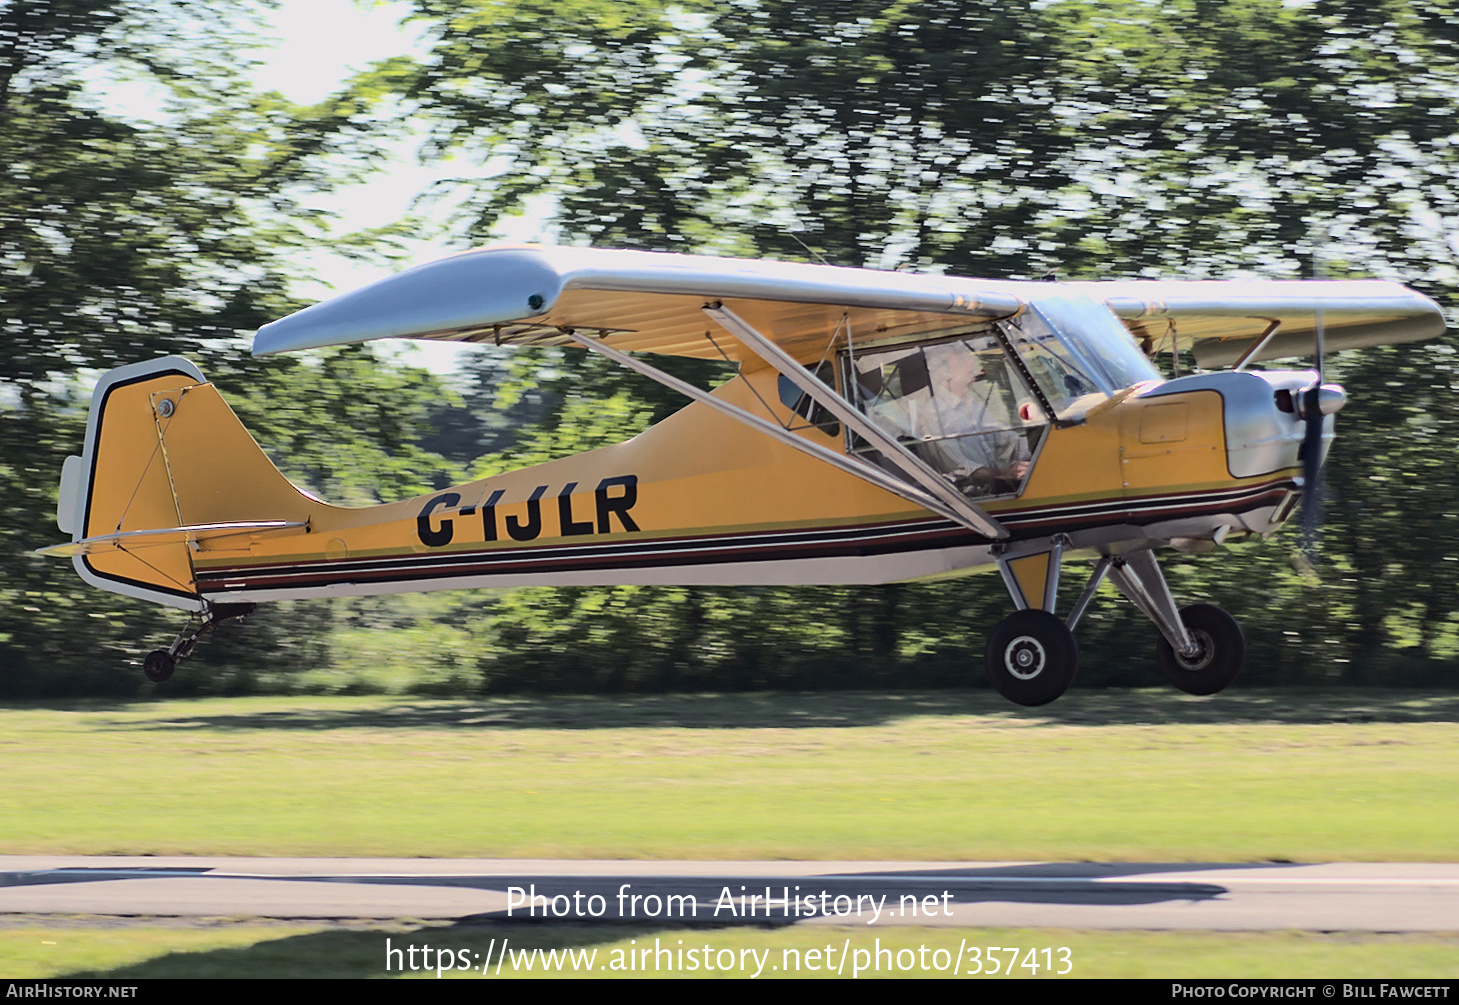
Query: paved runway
(1362,897)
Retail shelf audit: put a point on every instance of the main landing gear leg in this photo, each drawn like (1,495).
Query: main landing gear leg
(1032,656)
(159,664)
(1201,647)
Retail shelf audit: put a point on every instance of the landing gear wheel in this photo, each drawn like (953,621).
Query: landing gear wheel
(1032,657)
(158,666)
(1221,651)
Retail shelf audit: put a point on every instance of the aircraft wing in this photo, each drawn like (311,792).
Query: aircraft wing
(640,301)
(1221,320)
(648,302)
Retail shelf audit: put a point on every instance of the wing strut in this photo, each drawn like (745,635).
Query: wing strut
(965,512)
(1256,346)
(866,472)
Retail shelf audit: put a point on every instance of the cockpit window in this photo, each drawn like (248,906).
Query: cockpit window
(958,405)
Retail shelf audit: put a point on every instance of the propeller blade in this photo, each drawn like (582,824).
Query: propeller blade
(1311,468)
(1312,450)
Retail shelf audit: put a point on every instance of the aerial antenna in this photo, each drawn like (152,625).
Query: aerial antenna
(809,250)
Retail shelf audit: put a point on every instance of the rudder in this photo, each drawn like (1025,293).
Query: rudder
(164,453)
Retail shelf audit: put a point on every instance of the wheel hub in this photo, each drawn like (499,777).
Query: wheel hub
(1205,650)
(1024,657)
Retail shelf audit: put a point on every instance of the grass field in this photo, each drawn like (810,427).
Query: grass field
(1107,776)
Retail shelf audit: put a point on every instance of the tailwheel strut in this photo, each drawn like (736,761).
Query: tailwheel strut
(159,664)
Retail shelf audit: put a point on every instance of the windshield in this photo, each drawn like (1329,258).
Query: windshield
(1077,352)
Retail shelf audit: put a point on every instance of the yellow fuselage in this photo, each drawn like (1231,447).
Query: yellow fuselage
(696,499)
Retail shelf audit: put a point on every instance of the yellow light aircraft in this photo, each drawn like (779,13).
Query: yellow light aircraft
(884,427)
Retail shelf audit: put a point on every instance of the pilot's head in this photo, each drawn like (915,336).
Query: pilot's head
(953,367)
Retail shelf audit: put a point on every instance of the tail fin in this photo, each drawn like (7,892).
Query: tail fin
(166,464)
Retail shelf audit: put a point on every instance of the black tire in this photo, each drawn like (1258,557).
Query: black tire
(1032,657)
(1223,651)
(158,666)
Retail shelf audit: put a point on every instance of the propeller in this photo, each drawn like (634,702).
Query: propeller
(1316,403)
(1312,450)
(1312,468)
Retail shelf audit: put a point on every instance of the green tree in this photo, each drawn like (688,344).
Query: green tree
(1298,141)
(1098,139)
(125,237)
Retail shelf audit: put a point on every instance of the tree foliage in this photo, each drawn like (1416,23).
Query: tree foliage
(1197,138)
(130,236)
(1094,138)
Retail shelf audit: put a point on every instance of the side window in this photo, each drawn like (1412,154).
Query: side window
(803,405)
(957,405)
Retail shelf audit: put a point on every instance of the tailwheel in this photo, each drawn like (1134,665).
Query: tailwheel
(1032,657)
(1220,650)
(158,666)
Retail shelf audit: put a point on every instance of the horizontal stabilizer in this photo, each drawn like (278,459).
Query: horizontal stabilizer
(215,534)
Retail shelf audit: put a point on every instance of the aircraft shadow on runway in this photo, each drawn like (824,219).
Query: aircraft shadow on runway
(719,899)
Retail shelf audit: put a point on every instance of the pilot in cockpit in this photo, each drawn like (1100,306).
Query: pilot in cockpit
(969,429)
